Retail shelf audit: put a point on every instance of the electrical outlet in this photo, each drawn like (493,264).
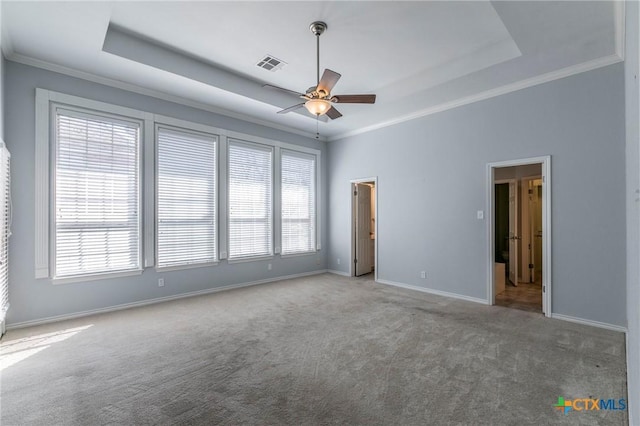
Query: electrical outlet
(338,261)
(160,282)
(423,274)
(318,260)
(269,267)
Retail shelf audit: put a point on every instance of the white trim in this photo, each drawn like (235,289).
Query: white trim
(95,277)
(186,266)
(271,148)
(591,323)
(336,272)
(37,63)
(123,306)
(86,108)
(71,101)
(298,254)
(487,94)
(277,200)
(432,291)
(225,135)
(523,84)
(373,179)
(250,259)
(223,199)
(545,162)
(630,392)
(319,201)
(197,130)
(149,192)
(42,192)
(149,122)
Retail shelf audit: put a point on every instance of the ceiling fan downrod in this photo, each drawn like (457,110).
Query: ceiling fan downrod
(317,28)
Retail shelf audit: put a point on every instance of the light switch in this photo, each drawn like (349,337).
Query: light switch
(480,215)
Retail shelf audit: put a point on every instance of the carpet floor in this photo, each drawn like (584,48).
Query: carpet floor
(310,351)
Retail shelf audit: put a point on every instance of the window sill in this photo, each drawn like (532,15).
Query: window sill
(300,254)
(95,277)
(189,266)
(249,259)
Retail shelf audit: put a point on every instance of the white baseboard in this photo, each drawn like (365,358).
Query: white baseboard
(589,322)
(632,388)
(432,291)
(333,271)
(156,300)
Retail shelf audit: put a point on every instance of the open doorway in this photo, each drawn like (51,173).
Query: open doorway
(519,225)
(364,212)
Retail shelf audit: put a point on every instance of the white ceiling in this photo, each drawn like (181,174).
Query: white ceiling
(418,57)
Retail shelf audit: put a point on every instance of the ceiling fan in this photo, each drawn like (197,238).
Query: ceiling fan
(318,99)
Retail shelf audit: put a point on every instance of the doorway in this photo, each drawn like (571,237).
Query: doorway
(520,234)
(364,227)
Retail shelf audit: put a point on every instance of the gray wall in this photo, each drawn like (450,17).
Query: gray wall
(2,103)
(33,299)
(2,65)
(632,92)
(432,179)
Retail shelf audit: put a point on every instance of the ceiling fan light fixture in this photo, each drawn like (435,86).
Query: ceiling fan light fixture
(317,106)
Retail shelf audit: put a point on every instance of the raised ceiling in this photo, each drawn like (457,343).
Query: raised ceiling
(418,57)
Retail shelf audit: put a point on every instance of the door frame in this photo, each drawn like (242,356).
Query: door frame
(352,269)
(545,161)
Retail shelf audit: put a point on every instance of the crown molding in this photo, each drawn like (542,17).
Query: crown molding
(488,94)
(49,66)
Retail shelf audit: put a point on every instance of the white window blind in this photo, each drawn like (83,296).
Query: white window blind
(186,198)
(97,225)
(298,187)
(250,200)
(5,231)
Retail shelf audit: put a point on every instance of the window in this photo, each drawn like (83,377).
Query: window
(250,200)
(118,190)
(96,198)
(186,198)
(298,188)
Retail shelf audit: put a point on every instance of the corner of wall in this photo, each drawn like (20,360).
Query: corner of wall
(632,154)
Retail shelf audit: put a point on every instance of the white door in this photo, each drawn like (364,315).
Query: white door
(513,232)
(363,229)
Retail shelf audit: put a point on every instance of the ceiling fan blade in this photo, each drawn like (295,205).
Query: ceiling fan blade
(328,80)
(291,108)
(270,86)
(333,113)
(354,99)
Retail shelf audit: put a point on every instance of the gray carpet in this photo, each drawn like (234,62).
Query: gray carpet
(310,351)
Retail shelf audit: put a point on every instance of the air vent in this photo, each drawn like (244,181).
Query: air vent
(271,63)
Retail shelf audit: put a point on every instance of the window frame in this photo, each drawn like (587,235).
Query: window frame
(56,107)
(316,202)
(272,150)
(46,101)
(187,129)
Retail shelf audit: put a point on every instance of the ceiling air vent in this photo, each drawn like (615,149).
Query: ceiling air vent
(271,63)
